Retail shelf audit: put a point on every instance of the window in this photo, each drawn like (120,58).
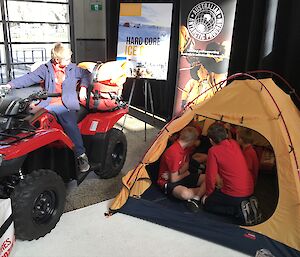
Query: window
(29,32)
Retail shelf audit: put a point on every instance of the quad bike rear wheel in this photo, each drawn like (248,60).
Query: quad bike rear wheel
(38,202)
(115,155)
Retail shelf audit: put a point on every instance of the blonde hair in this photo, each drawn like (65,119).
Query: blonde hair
(60,51)
(246,135)
(189,134)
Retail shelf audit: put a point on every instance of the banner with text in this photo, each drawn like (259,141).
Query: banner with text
(204,45)
(144,38)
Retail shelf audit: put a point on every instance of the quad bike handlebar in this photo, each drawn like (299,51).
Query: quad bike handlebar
(12,105)
(4,90)
(40,95)
(37,96)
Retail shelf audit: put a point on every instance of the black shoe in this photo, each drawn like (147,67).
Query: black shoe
(83,163)
(193,205)
(255,209)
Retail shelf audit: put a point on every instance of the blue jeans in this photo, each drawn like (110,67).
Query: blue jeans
(68,121)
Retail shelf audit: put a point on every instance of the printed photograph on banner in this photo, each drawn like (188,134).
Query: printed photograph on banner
(204,45)
(144,39)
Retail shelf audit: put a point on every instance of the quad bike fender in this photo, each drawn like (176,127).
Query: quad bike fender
(39,139)
(100,122)
(12,166)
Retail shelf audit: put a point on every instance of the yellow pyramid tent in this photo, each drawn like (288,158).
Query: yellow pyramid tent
(259,105)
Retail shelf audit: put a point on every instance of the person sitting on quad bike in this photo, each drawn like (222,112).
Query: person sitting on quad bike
(61,76)
(37,158)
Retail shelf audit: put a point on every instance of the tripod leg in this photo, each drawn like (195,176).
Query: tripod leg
(146,106)
(131,92)
(129,101)
(151,99)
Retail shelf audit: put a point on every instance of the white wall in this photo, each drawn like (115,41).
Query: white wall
(89,30)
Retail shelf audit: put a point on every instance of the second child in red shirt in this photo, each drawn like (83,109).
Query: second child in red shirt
(226,159)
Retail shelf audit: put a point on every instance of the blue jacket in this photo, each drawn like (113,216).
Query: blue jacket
(45,72)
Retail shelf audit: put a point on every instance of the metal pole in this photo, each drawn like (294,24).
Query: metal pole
(146,106)
(129,100)
(151,99)
(5,35)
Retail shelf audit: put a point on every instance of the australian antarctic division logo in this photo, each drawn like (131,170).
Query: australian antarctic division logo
(205,21)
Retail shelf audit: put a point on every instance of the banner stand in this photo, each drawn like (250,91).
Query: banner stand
(205,34)
(147,93)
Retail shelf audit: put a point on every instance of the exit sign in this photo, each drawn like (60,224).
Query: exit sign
(96,7)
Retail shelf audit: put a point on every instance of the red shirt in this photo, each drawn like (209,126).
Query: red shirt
(227,160)
(252,161)
(59,79)
(171,161)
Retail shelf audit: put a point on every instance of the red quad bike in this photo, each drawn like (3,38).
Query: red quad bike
(37,158)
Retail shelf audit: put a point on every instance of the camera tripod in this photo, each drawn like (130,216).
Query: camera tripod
(147,93)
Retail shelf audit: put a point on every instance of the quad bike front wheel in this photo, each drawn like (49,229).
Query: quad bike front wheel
(115,155)
(38,202)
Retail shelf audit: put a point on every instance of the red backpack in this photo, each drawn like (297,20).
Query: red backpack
(102,95)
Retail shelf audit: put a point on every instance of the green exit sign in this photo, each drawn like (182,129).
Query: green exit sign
(96,7)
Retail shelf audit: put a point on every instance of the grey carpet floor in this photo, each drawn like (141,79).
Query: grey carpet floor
(93,189)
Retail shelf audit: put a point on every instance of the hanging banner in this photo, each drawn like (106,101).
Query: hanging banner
(144,39)
(204,45)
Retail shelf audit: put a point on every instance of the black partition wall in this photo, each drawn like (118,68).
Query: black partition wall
(266,36)
(162,91)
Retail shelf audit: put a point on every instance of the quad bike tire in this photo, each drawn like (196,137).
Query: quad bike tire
(37,202)
(115,155)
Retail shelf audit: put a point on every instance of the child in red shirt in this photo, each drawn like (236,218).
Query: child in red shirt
(174,177)
(245,139)
(226,159)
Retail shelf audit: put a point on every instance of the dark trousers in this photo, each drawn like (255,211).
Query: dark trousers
(68,121)
(227,205)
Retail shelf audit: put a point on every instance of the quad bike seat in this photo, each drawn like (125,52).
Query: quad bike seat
(36,115)
(81,113)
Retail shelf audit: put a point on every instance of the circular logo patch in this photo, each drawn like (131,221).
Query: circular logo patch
(205,21)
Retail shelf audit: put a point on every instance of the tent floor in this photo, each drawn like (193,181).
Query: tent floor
(266,190)
(156,196)
(155,207)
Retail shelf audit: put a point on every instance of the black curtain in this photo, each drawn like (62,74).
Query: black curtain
(266,36)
